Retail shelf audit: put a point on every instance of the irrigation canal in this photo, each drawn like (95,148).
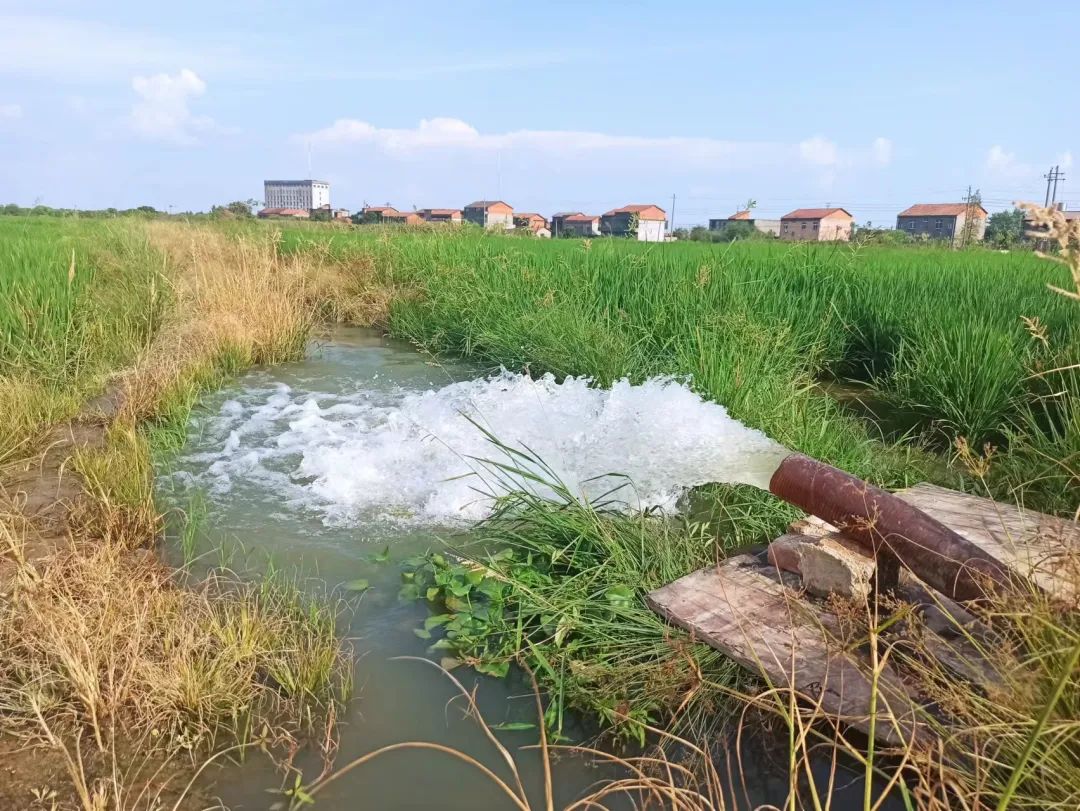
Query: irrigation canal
(319,466)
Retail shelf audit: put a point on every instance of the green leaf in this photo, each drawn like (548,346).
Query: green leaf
(409,592)
(423,633)
(619,595)
(566,624)
(514,726)
(460,589)
(383,556)
(435,620)
(456,605)
(497,669)
(474,577)
(360,584)
(432,593)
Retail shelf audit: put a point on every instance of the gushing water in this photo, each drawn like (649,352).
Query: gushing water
(416,457)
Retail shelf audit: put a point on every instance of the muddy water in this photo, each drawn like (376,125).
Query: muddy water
(316,467)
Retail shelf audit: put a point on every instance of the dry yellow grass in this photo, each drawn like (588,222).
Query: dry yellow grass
(236,295)
(105,658)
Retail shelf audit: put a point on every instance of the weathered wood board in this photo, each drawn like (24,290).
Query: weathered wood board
(1038,546)
(742,609)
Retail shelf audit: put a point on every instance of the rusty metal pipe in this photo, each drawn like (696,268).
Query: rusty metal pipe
(883,524)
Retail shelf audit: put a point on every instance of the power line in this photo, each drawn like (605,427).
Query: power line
(1053,176)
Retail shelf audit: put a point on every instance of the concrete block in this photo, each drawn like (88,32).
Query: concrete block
(835,565)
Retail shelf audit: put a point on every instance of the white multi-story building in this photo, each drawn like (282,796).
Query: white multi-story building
(303,194)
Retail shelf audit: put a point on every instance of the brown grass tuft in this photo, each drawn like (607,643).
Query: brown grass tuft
(238,298)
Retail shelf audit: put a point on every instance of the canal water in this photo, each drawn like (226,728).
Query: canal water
(316,467)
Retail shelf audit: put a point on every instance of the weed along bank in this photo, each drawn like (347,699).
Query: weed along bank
(280,497)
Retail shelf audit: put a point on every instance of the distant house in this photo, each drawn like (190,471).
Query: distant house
(646,223)
(764,226)
(451,215)
(376,214)
(402,218)
(285,214)
(817,225)
(341,214)
(490,214)
(579,225)
(946,221)
(559,218)
(529,220)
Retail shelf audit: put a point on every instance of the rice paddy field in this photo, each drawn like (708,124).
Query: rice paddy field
(897,364)
(967,345)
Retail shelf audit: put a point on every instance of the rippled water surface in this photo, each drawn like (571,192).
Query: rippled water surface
(319,465)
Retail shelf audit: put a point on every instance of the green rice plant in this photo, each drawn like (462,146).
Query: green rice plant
(565,594)
(968,378)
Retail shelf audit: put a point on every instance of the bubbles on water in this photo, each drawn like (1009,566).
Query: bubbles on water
(416,457)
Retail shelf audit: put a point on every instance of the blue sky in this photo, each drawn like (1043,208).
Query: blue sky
(551,106)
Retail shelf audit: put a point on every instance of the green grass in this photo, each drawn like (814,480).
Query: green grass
(938,333)
(77,301)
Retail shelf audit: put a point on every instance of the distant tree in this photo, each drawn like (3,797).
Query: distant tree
(681,233)
(736,229)
(238,209)
(1005,229)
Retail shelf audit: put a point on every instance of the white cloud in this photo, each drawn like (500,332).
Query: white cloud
(163,110)
(1005,164)
(882,151)
(10,111)
(445,134)
(819,151)
(76,50)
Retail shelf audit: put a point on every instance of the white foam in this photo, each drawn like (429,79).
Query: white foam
(407,456)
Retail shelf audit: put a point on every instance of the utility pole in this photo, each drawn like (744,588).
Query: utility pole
(970,201)
(673,214)
(1052,177)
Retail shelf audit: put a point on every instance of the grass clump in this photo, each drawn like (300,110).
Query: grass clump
(941,335)
(108,663)
(564,596)
(106,657)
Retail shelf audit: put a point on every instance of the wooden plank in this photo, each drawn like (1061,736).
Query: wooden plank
(1041,547)
(741,609)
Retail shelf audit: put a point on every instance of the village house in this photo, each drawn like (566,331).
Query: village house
(579,225)
(402,218)
(557,220)
(376,214)
(646,223)
(764,226)
(284,214)
(451,215)
(490,214)
(946,221)
(529,220)
(817,225)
